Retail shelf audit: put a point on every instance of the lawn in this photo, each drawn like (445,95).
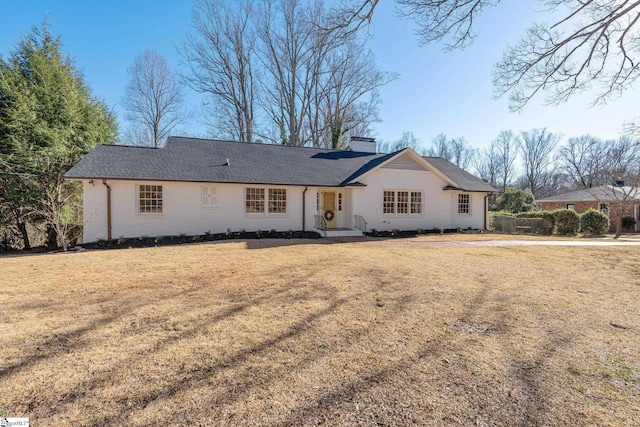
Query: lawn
(294,332)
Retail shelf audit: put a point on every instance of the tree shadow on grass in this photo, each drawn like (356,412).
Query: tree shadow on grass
(525,375)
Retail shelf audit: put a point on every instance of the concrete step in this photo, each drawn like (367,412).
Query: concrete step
(340,233)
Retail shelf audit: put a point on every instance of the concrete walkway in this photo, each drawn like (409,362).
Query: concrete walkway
(496,243)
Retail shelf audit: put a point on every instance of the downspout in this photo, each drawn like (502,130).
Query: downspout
(486,210)
(304,208)
(104,182)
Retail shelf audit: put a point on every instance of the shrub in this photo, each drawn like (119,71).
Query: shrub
(567,221)
(549,221)
(515,200)
(594,222)
(628,222)
(120,240)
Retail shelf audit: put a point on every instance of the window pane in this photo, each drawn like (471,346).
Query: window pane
(150,199)
(463,203)
(403,202)
(277,200)
(388,202)
(254,200)
(416,202)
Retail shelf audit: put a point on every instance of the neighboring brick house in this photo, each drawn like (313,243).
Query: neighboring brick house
(604,198)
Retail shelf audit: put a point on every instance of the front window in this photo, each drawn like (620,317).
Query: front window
(571,206)
(255,200)
(416,202)
(604,208)
(464,206)
(150,199)
(277,200)
(402,202)
(389,202)
(265,201)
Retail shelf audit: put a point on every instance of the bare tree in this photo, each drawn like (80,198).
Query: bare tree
(592,42)
(349,98)
(290,56)
(582,160)
(408,140)
(536,147)
(220,57)
(621,175)
(153,98)
(273,72)
(506,147)
(456,150)
(487,165)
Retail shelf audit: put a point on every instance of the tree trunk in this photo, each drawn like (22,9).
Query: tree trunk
(52,237)
(22,227)
(619,221)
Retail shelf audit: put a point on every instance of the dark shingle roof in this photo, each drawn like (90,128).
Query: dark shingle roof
(203,160)
(603,193)
(463,179)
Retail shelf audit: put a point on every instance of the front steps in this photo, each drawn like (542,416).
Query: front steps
(340,232)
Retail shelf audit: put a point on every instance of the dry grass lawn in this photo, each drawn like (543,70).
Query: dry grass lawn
(312,332)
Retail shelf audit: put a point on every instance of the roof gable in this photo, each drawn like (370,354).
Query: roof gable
(405,162)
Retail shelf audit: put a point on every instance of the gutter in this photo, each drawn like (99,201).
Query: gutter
(104,182)
(304,210)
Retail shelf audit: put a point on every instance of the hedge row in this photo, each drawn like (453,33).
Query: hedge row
(567,221)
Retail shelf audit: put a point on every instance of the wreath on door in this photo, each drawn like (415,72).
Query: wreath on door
(328,215)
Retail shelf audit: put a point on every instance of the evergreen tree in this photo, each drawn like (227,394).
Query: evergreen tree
(48,121)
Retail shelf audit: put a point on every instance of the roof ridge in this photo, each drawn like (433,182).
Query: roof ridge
(129,146)
(264,144)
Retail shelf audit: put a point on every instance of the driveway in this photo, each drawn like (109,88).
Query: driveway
(495,243)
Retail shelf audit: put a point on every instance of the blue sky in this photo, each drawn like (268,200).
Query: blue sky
(437,92)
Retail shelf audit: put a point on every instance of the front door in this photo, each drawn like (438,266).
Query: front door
(329,212)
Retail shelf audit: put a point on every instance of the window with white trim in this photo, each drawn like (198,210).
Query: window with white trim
(277,200)
(389,202)
(209,196)
(254,200)
(149,199)
(464,204)
(265,201)
(402,202)
(604,208)
(571,206)
(416,203)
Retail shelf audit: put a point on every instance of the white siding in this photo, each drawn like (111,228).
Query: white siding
(183,211)
(440,208)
